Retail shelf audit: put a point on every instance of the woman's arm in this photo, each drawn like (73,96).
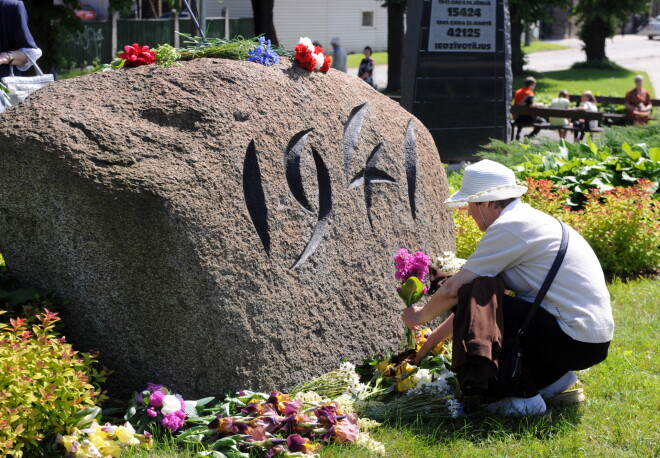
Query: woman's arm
(442,332)
(17,58)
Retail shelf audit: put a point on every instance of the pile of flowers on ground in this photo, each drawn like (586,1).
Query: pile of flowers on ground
(103,441)
(269,424)
(158,405)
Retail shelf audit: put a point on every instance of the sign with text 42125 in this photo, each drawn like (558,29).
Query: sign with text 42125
(462,26)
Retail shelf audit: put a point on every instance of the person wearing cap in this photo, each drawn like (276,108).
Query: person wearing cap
(338,55)
(638,103)
(573,326)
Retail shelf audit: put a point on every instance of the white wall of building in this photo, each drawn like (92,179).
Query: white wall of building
(319,20)
(323,19)
(237,8)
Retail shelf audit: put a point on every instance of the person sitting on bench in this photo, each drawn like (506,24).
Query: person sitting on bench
(588,104)
(562,103)
(525,96)
(638,103)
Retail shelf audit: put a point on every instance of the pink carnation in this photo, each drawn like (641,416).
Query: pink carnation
(152,413)
(174,421)
(156,399)
(410,265)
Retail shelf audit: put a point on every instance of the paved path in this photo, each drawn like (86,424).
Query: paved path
(380,75)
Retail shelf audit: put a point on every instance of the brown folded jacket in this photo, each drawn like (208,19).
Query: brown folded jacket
(478,333)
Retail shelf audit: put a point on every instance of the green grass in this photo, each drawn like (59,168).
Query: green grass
(619,419)
(607,82)
(540,46)
(353,61)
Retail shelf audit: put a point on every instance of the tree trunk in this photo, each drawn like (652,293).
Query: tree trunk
(262,10)
(194,10)
(395,15)
(593,34)
(517,56)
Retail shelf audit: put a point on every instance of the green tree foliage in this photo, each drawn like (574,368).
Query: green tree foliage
(522,11)
(599,19)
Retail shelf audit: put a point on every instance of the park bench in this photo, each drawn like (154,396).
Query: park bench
(547,113)
(612,118)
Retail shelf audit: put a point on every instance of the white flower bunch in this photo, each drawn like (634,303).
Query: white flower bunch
(455,407)
(353,385)
(363,439)
(436,381)
(448,263)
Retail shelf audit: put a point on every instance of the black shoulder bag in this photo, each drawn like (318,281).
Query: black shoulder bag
(511,359)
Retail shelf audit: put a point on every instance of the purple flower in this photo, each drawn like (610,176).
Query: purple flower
(153,387)
(156,399)
(152,413)
(263,53)
(174,421)
(410,265)
(293,407)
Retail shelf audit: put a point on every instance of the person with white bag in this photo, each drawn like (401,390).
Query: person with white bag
(18,51)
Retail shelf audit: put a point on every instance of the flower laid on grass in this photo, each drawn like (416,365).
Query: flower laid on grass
(157,405)
(411,270)
(260,423)
(98,441)
(311,57)
(263,53)
(135,55)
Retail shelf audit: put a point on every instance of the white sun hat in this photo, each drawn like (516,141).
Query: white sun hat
(486,181)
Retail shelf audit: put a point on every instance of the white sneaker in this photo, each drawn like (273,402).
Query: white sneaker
(518,406)
(565,382)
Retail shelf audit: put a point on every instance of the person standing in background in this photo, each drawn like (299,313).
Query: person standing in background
(366,70)
(16,42)
(338,55)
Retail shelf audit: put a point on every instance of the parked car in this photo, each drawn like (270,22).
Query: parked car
(85,12)
(652,29)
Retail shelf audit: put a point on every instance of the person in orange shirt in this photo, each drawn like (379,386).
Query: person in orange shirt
(638,103)
(525,96)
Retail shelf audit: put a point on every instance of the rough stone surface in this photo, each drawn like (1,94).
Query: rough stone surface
(124,193)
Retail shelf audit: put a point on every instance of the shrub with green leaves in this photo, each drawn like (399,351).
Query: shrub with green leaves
(585,166)
(622,226)
(44,383)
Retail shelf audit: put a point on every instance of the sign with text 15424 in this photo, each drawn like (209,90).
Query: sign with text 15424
(462,26)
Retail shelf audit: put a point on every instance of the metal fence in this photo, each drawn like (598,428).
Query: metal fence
(93,44)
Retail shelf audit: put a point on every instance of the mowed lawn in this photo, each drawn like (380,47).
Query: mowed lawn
(621,417)
(606,82)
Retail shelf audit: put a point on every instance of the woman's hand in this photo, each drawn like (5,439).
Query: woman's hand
(411,316)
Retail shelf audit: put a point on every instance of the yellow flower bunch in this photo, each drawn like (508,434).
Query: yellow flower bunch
(105,441)
(420,338)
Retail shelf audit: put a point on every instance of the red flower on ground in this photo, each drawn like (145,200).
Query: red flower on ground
(137,55)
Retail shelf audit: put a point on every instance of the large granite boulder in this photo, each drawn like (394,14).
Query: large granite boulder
(219,225)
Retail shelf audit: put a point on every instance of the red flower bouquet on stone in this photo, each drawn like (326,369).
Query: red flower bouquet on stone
(136,55)
(311,57)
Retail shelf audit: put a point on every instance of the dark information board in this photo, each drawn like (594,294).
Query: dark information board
(457,72)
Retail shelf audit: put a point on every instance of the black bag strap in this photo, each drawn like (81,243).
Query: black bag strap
(548,280)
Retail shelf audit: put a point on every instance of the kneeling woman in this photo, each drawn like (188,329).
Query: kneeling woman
(570,330)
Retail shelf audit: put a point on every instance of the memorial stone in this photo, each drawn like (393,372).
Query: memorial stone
(457,72)
(219,225)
